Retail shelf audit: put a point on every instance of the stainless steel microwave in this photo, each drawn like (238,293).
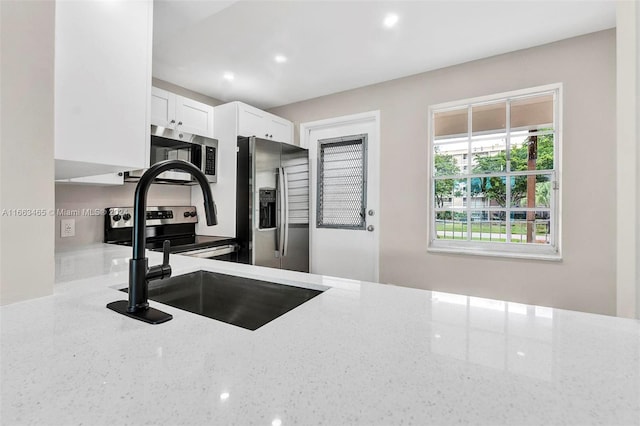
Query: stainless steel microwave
(170,144)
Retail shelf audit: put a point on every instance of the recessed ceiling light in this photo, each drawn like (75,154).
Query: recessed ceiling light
(390,20)
(281,59)
(228,76)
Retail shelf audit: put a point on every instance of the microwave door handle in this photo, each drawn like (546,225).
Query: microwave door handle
(285,180)
(282,211)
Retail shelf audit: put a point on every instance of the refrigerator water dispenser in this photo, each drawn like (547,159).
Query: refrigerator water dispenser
(267,214)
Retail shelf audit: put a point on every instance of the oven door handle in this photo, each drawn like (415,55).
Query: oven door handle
(211,251)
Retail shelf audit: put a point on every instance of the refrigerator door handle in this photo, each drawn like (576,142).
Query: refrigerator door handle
(285,246)
(281,225)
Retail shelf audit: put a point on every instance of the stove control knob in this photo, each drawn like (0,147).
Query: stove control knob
(186,214)
(126,216)
(116,217)
(193,214)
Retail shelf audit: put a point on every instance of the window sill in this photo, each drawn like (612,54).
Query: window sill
(545,255)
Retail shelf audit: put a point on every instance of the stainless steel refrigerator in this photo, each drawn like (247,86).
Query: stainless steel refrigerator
(272,211)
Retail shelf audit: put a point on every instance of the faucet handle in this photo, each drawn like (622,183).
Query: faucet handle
(158,272)
(166,246)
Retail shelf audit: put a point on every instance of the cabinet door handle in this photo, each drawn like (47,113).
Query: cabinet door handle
(179,123)
(172,121)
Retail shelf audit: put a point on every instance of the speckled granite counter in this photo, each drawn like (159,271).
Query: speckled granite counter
(359,353)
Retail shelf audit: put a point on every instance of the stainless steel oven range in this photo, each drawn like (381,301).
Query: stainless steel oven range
(176,224)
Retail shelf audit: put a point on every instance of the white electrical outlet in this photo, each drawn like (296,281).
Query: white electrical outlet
(67,228)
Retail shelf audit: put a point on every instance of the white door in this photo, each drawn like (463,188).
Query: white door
(344,228)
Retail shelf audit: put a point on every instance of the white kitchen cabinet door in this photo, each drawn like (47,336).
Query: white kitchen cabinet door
(280,130)
(163,108)
(255,122)
(194,117)
(102,86)
(252,121)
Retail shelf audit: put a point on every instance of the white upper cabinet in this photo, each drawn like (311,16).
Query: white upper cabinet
(163,108)
(255,122)
(180,113)
(280,129)
(194,117)
(102,86)
(251,121)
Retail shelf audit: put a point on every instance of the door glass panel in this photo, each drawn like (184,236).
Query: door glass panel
(342,186)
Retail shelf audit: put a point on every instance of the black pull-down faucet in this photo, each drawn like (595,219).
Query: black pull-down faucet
(139,271)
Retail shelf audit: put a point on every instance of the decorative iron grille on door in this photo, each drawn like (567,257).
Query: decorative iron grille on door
(342,182)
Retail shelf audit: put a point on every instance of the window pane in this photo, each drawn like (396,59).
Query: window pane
(533,227)
(488,225)
(450,193)
(531,191)
(447,158)
(488,155)
(451,122)
(488,191)
(488,117)
(534,112)
(451,225)
(531,152)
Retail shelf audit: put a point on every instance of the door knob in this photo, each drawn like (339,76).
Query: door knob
(370,228)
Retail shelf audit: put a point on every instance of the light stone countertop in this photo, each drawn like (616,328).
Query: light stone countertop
(358,354)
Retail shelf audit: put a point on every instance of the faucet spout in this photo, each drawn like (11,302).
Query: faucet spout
(139,271)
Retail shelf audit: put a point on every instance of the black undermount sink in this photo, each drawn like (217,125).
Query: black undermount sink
(240,301)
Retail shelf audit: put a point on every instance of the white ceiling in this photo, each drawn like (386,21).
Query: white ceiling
(333,46)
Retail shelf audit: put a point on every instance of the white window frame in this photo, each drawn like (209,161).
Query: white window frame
(551,251)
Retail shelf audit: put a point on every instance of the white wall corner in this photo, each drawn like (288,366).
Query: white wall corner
(628,159)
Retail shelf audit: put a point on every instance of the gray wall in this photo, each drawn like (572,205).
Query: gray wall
(179,90)
(90,229)
(26,152)
(585,280)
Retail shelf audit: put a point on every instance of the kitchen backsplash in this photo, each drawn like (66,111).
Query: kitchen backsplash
(81,202)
